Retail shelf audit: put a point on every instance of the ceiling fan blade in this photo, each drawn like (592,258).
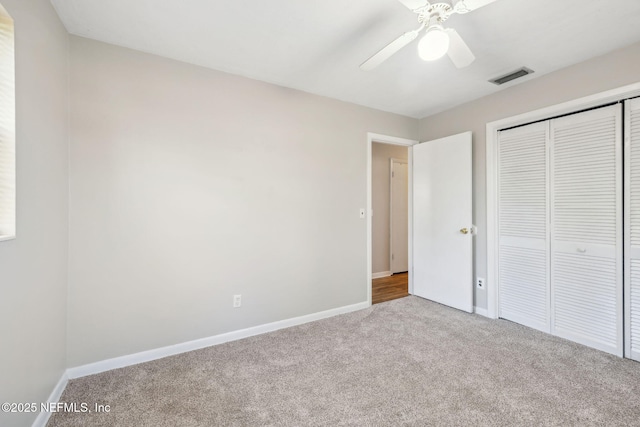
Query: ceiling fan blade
(464,6)
(387,51)
(459,52)
(414,4)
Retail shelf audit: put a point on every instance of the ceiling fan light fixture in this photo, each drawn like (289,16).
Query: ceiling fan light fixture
(434,45)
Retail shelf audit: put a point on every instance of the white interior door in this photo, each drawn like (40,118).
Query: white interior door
(524,290)
(442,221)
(399,216)
(586,228)
(632,228)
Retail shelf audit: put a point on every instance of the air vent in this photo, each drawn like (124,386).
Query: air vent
(521,72)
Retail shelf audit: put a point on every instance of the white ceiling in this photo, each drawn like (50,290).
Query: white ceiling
(317,45)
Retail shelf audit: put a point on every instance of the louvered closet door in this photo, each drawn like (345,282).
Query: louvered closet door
(632,229)
(523,217)
(586,232)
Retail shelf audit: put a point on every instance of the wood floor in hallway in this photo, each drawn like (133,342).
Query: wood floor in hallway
(389,288)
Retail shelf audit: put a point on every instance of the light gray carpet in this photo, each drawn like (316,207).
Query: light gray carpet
(405,362)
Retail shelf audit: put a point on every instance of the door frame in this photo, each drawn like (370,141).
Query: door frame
(492,129)
(391,163)
(393,140)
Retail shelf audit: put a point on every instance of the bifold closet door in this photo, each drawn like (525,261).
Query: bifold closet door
(586,231)
(632,229)
(523,235)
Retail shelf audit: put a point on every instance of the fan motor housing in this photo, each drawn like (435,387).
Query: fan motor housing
(436,12)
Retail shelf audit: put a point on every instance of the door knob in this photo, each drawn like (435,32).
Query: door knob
(464,230)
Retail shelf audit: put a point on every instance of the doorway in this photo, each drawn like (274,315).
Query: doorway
(389,219)
(442,239)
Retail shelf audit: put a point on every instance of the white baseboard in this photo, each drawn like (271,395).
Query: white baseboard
(381,274)
(481,311)
(147,356)
(158,353)
(54,397)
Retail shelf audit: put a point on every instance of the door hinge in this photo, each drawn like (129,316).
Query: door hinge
(393,256)
(393,174)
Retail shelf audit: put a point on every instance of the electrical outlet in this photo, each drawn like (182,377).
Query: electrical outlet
(237,301)
(480,283)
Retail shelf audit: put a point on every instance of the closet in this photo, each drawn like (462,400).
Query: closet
(560,227)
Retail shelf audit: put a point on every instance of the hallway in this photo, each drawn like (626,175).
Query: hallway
(390,288)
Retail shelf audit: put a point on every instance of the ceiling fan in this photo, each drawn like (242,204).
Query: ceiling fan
(437,40)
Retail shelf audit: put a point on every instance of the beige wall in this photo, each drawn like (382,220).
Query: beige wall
(610,71)
(380,155)
(190,185)
(33,268)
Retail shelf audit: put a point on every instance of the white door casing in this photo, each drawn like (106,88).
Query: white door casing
(442,211)
(399,216)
